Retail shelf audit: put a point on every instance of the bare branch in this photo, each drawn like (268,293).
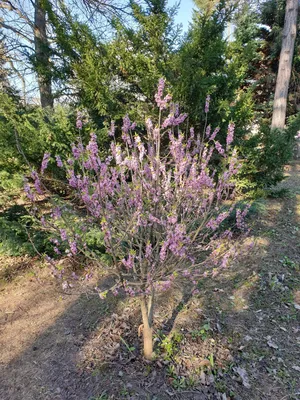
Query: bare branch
(5,4)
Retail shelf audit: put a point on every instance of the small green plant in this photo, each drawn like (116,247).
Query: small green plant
(169,345)
(203,332)
(129,348)
(179,382)
(211,360)
(287,262)
(124,391)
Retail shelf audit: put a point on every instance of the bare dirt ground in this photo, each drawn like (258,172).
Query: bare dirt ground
(238,339)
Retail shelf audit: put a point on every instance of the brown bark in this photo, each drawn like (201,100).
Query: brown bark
(285,64)
(42,55)
(147,315)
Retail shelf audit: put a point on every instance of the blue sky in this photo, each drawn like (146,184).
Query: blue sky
(184,15)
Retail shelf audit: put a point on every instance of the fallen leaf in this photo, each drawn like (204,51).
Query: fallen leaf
(205,363)
(272,344)
(202,378)
(243,374)
(209,379)
(297,306)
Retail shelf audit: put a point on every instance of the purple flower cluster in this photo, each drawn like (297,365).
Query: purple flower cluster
(79,123)
(207,101)
(172,120)
(37,182)
(230,134)
(59,162)
(161,101)
(45,162)
(155,200)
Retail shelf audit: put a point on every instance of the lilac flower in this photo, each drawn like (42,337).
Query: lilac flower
(181,118)
(172,219)
(74,275)
(126,138)
(126,124)
(207,101)
(37,182)
(45,162)
(165,285)
(208,131)
(160,91)
(57,251)
(149,125)
(163,251)
(63,234)
(72,178)
(140,147)
(219,148)
(129,263)
(171,120)
(56,213)
(78,124)
(214,134)
(148,251)
(73,247)
(79,120)
(59,162)
(214,223)
(162,102)
(77,151)
(111,132)
(230,134)
(28,192)
(93,150)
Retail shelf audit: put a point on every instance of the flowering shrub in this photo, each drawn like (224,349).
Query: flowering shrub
(155,199)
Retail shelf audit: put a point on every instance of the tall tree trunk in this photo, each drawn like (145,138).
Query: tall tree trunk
(147,314)
(285,64)
(43,67)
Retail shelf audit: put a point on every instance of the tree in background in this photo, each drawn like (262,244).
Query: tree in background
(208,62)
(285,64)
(265,65)
(26,37)
(31,40)
(131,63)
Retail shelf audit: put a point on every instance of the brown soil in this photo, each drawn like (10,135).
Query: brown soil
(238,339)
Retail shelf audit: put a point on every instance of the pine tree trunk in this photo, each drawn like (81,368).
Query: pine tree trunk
(285,64)
(42,55)
(147,315)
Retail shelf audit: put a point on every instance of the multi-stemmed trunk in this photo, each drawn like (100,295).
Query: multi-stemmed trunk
(147,303)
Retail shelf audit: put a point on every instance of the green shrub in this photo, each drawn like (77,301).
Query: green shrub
(265,154)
